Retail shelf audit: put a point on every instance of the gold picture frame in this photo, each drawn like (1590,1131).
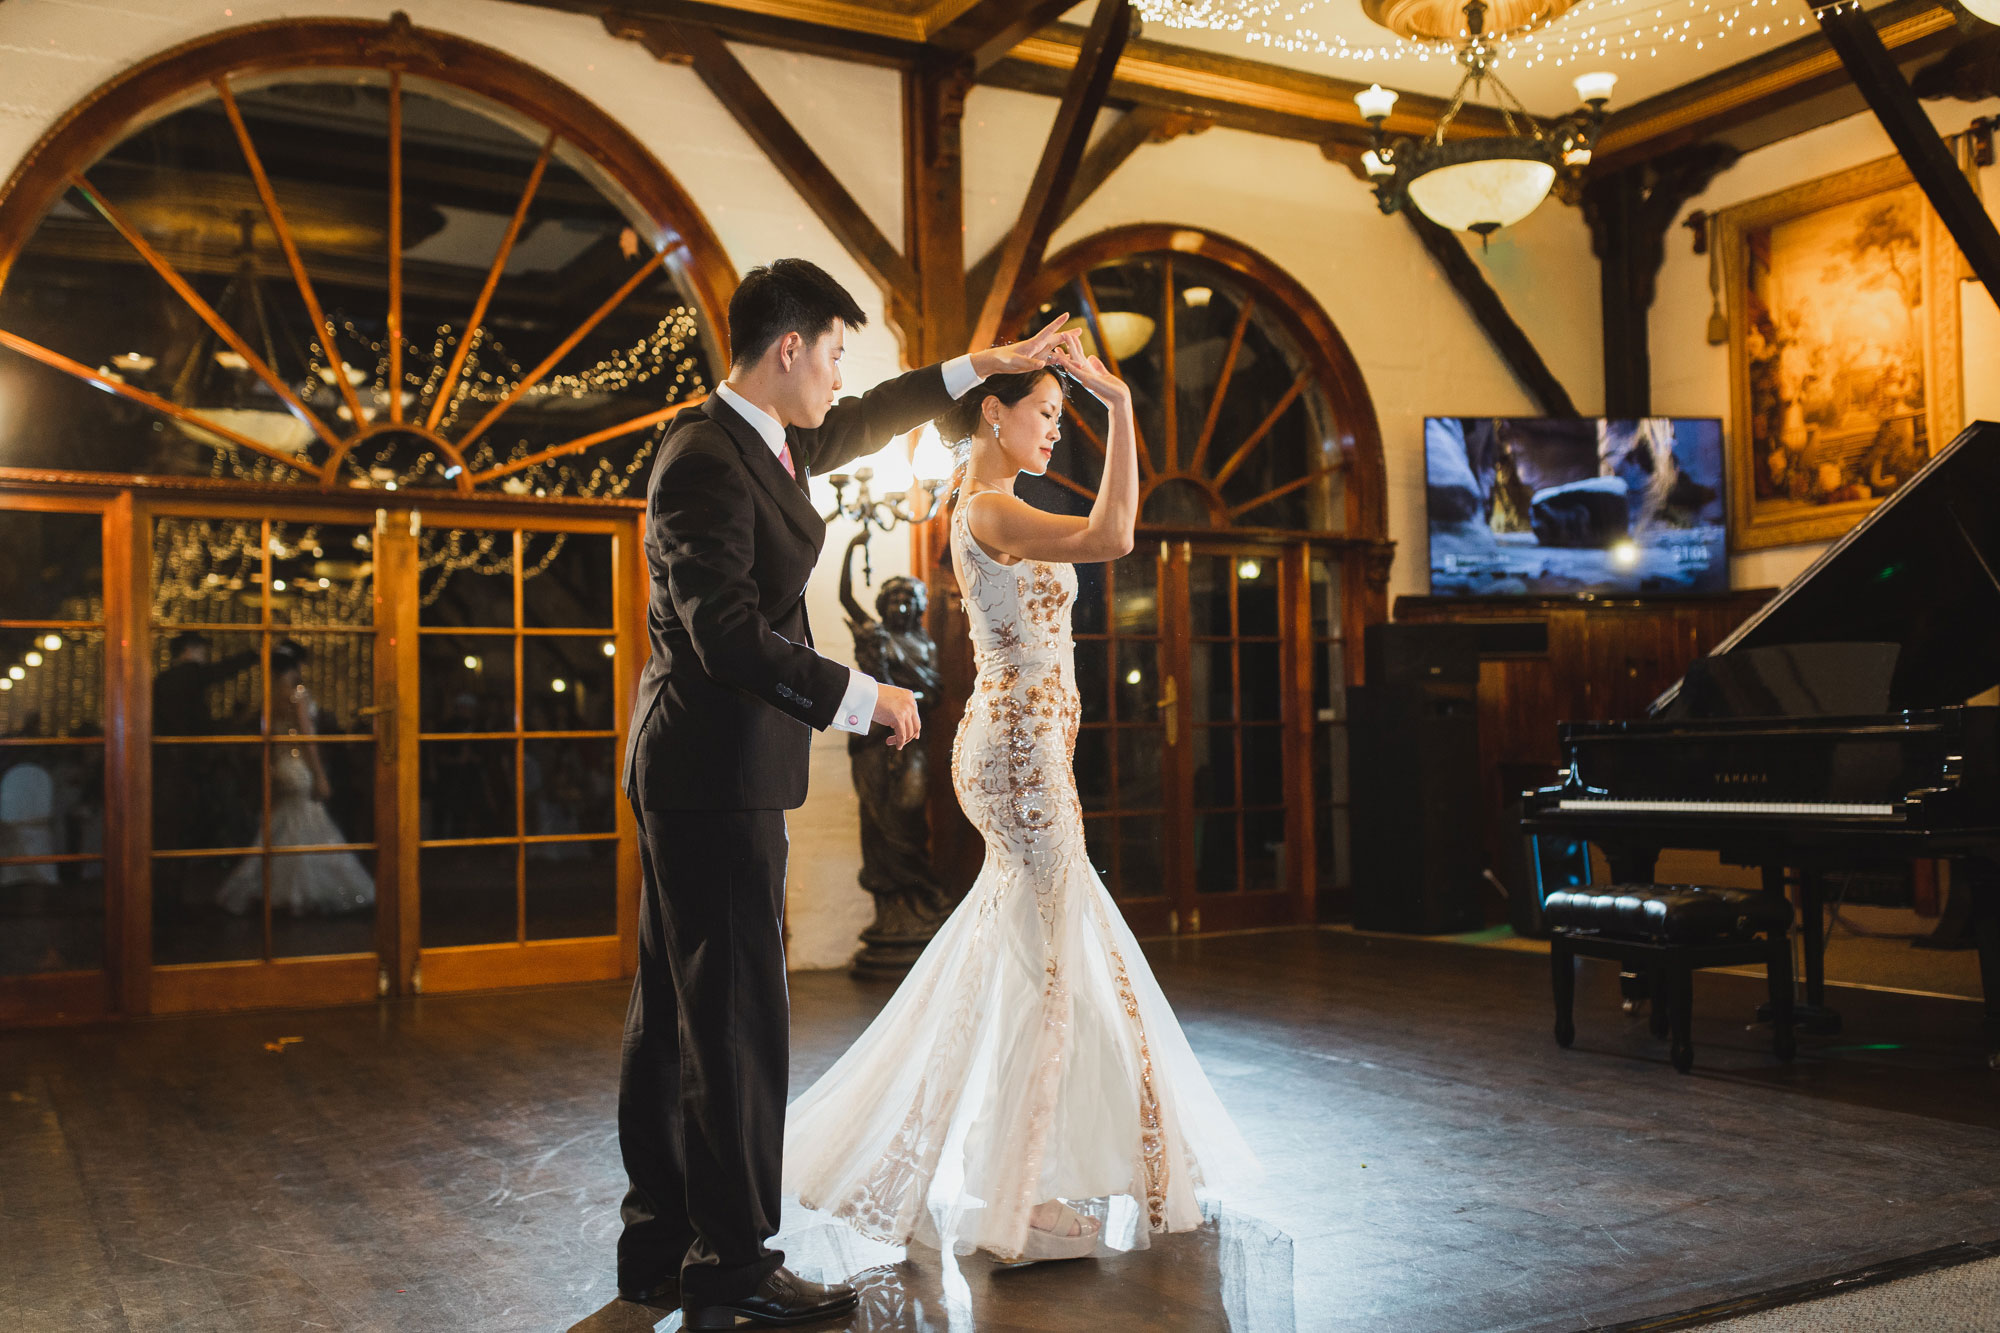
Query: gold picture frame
(1844,366)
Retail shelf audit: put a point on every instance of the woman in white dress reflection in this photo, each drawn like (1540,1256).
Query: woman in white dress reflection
(311,882)
(1029,1060)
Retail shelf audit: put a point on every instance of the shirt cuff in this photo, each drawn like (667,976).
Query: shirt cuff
(959,376)
(857,706)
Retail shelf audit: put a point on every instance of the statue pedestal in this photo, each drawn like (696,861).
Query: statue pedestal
(887,957)
(904,924)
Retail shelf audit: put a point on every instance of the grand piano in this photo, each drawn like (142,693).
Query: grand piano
(1832,733)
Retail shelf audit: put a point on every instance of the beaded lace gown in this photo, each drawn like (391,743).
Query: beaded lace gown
(1029,1055)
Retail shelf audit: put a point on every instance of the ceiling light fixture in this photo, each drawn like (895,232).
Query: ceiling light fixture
(1480,184)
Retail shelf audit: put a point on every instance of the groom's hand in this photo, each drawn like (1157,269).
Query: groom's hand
(896,709)
(1028,354)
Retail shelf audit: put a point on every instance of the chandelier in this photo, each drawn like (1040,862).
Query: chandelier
(1480,184)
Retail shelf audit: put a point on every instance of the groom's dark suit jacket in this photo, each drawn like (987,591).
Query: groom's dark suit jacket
(729,698)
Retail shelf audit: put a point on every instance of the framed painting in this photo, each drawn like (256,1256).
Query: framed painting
(1843,350)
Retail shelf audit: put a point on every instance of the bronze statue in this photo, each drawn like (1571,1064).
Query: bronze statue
(894,785)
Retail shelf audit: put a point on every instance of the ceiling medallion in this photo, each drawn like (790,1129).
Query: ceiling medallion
(1443,21)
(1477,184)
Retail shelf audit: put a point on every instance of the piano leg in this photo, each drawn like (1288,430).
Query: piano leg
(1982,882)
(1812,1015)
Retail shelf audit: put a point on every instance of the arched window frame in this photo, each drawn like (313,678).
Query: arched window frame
(1357,433)
(680,237)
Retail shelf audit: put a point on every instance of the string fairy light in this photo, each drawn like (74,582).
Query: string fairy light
(1594,31)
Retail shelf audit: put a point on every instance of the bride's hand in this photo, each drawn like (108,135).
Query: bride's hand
(1090,372)
(1029,354)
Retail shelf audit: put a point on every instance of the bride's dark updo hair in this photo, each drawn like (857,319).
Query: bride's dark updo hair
(962,420)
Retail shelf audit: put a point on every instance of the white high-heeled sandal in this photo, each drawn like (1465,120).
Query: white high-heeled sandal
(1056,1242)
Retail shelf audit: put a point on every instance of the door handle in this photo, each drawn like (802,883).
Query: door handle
(385,734)
(1168,707)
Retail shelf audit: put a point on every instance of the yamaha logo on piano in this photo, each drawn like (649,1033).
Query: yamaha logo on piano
(1741,779)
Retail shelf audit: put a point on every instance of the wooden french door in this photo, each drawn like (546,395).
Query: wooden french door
(1194,664)
(383,753)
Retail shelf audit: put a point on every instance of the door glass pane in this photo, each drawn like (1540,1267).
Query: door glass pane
(1262,692)
(322,574)
(208,571)
(1208,595)
(207,796)
(566,580)
(338,672)
(1257,595)
(1139,761)
(51,684)
(1263,851)
(567,684)
(572,889)
(51,804)
(1138,680)
(208,909)
(1263,766)
(207,684)
(1087,613)
(1212,691)
(468,789)
(1091,668)
(1215,852)
(1214,766)
(466,578)
(322,903)
(468,895)
(1099,836)
(51,917)
(1137,595)
(1142,843)
(1093,768)
(569,786)
(51,566)
(466,682)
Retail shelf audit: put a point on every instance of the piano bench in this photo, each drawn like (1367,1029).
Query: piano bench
(1668,931)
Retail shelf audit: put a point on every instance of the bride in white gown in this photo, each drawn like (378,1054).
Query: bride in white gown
(310,882)
(1029,1058)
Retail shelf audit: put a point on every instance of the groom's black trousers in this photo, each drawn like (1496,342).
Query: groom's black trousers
(701,1095)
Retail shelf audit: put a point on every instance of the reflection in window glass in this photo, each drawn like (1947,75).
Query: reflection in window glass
(275,404)
(572,889)
(51,566)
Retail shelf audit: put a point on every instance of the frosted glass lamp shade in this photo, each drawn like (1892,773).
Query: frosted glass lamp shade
(1595,87)
(1372,163)
(1482,195)
(1989,10)
(1375,101)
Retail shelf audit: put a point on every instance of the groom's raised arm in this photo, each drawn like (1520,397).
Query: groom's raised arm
(858,426)
(705,521)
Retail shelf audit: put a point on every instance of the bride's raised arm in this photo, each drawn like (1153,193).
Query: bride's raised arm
(1009,525)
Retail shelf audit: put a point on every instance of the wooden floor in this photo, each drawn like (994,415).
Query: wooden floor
(1435,1162)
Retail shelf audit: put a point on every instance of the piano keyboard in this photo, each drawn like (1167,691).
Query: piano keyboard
(1809,808)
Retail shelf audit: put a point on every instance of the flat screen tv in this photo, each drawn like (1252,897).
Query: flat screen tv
(1550,506)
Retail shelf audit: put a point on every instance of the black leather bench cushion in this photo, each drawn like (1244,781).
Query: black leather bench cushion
(1667,913)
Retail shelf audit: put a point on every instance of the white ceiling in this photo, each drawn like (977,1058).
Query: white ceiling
(1707,35)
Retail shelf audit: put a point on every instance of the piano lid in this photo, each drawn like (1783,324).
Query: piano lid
(1921,571)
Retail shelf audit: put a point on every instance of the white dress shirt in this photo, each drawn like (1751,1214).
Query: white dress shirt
(857,707)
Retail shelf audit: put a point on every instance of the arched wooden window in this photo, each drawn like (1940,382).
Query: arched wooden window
(331,352)
(1212,661)
(350,255)
(1252,413)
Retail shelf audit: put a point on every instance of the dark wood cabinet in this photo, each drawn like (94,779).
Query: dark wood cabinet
(1544,661)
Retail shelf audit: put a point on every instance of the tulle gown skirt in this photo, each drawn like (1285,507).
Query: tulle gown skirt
(308,883)
(1030,1054)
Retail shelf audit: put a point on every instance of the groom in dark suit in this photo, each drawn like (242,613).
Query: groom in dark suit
(718,751)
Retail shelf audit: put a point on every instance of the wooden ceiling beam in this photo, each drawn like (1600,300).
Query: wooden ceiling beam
(704,51)
(783,27)
(989,29)
(1089,81)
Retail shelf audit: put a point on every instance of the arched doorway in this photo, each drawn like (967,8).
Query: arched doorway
(1213,660)
(334,354)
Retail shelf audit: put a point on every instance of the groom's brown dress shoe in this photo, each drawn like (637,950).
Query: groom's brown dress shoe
(780,1301)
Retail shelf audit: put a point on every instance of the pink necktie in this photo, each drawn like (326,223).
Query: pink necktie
(785,457)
